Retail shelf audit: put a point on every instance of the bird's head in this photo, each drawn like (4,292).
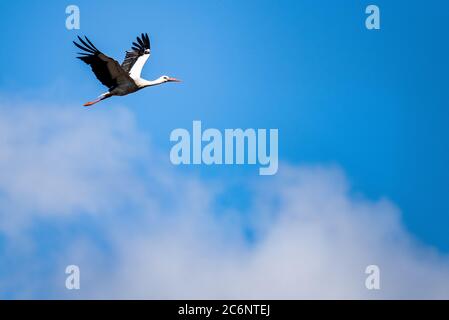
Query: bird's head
(164,79)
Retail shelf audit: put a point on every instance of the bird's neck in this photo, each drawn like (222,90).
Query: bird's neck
(142,83)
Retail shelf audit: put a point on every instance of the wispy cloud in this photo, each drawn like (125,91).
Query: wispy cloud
(150,232)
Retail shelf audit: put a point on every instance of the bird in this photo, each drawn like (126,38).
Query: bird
(119,79)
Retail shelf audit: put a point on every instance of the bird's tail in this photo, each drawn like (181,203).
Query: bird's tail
(102,97)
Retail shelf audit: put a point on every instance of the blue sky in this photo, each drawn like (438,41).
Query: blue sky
(373,103)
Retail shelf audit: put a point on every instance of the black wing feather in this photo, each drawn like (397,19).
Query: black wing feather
(106,69)
(83,48)
(140,41)
(91,44)
(147,40)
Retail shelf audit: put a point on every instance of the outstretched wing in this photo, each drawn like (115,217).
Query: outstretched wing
(137,57)
(106,69)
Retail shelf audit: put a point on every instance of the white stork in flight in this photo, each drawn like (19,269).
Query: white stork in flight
(120,79)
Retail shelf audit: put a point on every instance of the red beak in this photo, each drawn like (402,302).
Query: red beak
(173,80)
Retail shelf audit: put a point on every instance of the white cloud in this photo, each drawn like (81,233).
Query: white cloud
(164,234)
(61,160)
